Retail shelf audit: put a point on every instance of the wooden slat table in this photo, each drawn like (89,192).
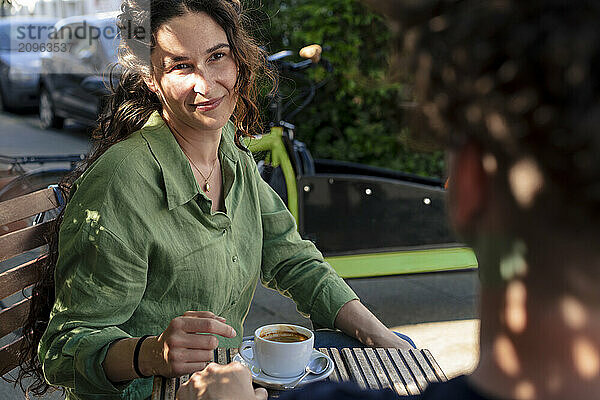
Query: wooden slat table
(407,372)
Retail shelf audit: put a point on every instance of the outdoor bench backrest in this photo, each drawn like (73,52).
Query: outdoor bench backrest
(15,247)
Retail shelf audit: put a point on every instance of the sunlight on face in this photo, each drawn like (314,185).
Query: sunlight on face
(506,356)
(516,312)
(194,72)
(526,181)
(525,390)
(490,165)
(497,126)
(573,312)
(586,358)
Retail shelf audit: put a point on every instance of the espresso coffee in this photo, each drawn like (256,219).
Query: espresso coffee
(285,337)
(279,350)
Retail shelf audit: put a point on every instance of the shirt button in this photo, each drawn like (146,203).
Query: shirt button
(234,258)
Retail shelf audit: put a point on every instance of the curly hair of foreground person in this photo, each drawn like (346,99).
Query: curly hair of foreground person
(519,78)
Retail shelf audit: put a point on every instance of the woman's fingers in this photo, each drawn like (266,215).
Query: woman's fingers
(188,343)
(203,314)
(190,355)
(207,325)
(261,394)
(195,367)
(179,369)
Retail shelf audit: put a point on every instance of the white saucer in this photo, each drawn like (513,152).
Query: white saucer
(272,382)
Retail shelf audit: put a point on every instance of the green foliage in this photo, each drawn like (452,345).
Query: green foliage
(355,116)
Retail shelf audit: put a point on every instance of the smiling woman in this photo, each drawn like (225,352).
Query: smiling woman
(183,224)
(194,77)
(195,74)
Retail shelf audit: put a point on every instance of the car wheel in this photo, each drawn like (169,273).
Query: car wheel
(48,118)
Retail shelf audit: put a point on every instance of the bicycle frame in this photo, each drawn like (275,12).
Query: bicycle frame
(318,193)
(277,156)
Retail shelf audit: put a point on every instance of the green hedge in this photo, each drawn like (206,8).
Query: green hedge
(355,116)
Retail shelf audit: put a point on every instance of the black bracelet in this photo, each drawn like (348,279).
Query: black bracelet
(136,356)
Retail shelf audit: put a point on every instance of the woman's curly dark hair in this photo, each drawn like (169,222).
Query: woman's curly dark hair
(126,110)
(518,77)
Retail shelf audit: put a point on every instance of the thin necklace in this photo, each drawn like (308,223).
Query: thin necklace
(206,184)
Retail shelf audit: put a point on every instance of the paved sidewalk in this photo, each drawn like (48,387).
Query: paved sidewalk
(395,300)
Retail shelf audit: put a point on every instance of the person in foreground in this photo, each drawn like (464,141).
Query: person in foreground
(512,90)
(169,228)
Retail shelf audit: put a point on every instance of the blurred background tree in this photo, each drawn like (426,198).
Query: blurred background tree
(354,117)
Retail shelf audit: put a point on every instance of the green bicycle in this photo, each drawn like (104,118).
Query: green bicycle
(367,221)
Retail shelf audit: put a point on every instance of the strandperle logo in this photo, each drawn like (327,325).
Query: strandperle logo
(29,36)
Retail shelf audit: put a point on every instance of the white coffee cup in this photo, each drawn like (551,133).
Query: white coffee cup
(278,358)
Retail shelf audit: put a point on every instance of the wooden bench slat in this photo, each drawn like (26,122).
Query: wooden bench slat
(353,368)
(21,276)
(9,356)
(397,383)
(434,365)
(366,368)
(334,375)
(14,317)
(414,368)
(377,368)
(429,373)
(339,365)
(27,205)
(18,242)
(409,381)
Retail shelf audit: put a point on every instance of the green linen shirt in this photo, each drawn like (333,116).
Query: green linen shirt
(139,246)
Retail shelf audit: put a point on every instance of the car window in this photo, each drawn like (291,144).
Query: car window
(65,37)
(85,49)
(110,41)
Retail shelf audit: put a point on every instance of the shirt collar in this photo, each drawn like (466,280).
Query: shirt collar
(180,184)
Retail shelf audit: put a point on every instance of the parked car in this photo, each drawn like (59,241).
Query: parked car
(74,81)
(22,40)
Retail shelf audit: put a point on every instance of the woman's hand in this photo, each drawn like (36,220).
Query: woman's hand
(357,321)
(180,350)
(223,382)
